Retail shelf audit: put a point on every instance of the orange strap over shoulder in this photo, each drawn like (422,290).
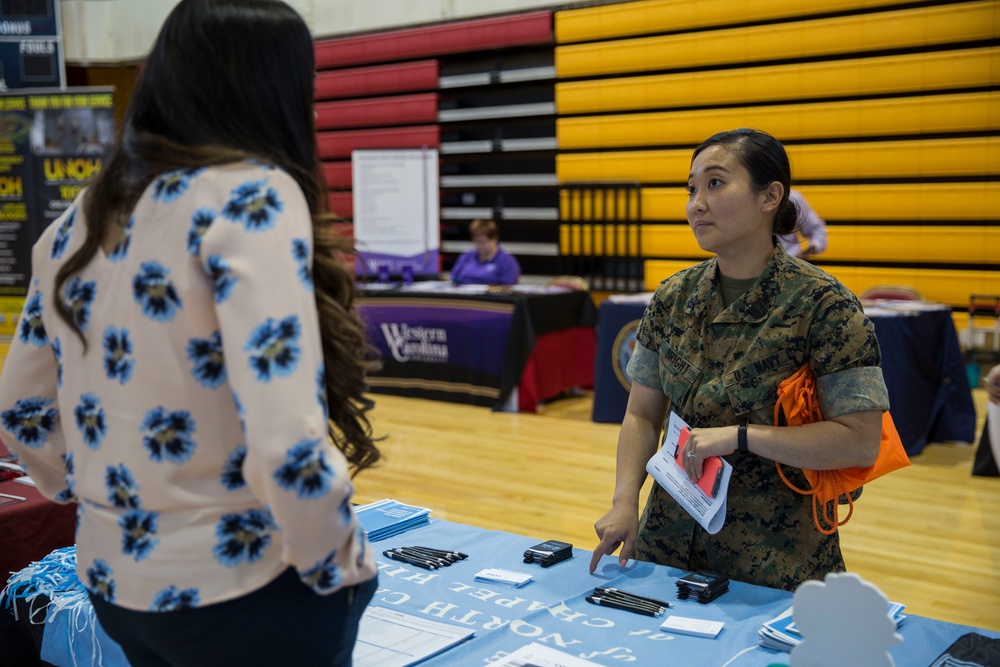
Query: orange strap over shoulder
(798,401)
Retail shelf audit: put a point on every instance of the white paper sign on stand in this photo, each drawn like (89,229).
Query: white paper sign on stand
(396,211)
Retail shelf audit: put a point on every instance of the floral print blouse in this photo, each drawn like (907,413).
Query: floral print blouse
(191,428)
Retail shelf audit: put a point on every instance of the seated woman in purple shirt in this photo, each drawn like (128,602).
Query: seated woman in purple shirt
(487,263)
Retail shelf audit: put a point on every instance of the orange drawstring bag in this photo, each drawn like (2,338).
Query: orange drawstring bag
(797,400)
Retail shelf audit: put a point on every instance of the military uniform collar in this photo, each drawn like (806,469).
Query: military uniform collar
(752,307)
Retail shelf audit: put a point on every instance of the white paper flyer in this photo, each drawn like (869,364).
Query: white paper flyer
(709,512)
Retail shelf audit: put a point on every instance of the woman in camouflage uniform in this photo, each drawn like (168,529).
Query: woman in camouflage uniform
(714,344)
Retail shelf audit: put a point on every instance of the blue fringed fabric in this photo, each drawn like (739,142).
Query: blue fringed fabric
(54,595)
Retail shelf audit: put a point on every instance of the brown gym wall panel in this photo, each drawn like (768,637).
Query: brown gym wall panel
(338,175)
(842,35)
(887,75)
(911,244)
(928,114)
(341,204)
(377,80)
(388,111)
(340,143)
(642,18)
(495,32)
(979,156)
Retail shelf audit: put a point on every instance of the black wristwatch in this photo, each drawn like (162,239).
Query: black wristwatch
(741,437)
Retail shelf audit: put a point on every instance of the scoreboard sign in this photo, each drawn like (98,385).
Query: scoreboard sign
(31,53)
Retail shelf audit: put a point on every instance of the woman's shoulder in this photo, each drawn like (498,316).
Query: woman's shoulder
(684,280)
(800,274)
(222,180)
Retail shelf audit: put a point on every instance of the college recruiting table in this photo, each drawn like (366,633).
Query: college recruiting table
(479,345)
(552,610)
(929,395)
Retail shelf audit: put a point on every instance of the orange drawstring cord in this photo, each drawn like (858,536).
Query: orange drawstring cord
(801,388)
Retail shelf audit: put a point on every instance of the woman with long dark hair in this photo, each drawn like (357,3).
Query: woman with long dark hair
(189,366)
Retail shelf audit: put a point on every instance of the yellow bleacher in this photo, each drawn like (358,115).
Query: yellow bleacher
(882,75)
(880,117)
(659,16)
(876,159)
(824,37)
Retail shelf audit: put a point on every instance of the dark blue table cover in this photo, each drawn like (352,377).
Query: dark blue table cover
(929,395)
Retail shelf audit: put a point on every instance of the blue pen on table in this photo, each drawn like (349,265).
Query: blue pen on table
(646,610)
(601,590)
(426,564)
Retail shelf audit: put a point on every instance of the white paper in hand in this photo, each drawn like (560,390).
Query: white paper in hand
(710,513)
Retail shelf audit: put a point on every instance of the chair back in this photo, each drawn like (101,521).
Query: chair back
(892,292)
(569,282)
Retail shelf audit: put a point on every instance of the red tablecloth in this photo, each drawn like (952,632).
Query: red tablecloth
(31,528)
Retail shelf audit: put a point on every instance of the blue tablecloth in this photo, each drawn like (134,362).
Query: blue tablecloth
(929,395)
(552,610)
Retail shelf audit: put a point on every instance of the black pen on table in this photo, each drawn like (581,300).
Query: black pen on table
(646,610)
(457,554)
(416,553)
(600,590)
(426,564)
(433,554)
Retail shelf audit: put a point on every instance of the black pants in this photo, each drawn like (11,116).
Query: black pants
(283,623)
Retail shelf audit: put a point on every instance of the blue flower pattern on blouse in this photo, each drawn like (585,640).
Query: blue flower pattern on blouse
(138,528)
(232,473)
(240,411)
(63,235)
(167,435)
(90,420)
(30,327)
(99,581)
(209,365)
(31,421)
(273,348)
(171,185)
(321,391)
(305,470)
(57,353)
(323,576)
(171,599)
(200,222)
(120,251)
(300,251)
(79,297)
(118,359)
(155,293)
(68,494)
(253,205)
(243,537)
(223,276)
(122,488)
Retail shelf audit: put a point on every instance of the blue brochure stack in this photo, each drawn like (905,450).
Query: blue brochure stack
(385,518)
